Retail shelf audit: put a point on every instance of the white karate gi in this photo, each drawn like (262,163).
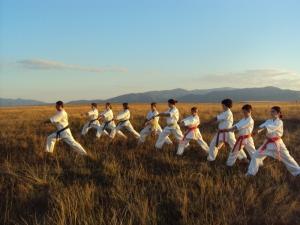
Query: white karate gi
(109,124)
(225,120)
(153,126)
(192,133)
(245,127)
(60,119)
(276,150)
(171,128)
(123,122)
(92,123)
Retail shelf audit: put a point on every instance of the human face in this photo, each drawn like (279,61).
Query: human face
(224,107)
(274,114)
(194,113)
(58,107)
(246,113)
(153,107)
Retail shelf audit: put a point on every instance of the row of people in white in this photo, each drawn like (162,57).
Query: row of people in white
(273,146)
(108,122)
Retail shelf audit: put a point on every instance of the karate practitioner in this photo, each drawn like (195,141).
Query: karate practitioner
(151,125)
(244,141)
(93,122)
(172,127)
(273,146)
(225,121)
(107,116)
(60,120)
(124,122)
(192,133)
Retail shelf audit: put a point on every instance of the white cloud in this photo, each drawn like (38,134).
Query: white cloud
(255,78)
(43,64)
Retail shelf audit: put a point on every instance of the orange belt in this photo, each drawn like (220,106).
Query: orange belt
(188,131)
(239,142)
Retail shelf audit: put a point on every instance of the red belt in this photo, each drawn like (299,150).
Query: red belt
(188,131)
(239,142)
(269,141)
(218,136)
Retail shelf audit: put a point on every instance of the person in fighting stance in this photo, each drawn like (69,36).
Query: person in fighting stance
(60,120)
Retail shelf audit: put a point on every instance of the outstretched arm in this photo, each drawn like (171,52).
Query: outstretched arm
(232,129)
(258,131)
(162,115)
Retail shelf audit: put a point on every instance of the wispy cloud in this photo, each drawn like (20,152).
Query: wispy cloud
(255,78)
(42,64)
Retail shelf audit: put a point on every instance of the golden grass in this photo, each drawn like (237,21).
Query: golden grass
(125,184)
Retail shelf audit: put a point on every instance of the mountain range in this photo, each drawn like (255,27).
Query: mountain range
(182,95)
(19,102)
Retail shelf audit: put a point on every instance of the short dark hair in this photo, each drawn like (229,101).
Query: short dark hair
(172,101)
(60,103)
(108,105)
(94,104)
(227,102)
(278,110)
(153,104)
(125,105)
(247,107)
(194,109)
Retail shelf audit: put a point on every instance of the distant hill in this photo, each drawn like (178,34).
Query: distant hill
(19,102)
(157,96)
(201,95)
(245,94)
(207,95)
(162,96)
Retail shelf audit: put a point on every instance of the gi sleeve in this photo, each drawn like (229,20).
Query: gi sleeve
(222,116)
(123,115)
(91,113)
(104,114)
(264,124)
(172,113)
(274,126)
(242,124)
(56,118)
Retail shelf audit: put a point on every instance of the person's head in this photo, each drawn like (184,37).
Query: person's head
(153,105)
(227,104)
(94,105)
(107,105)
(276,112)
(59,105)
(247,109)
(194,111)
(172,102)
(125,106)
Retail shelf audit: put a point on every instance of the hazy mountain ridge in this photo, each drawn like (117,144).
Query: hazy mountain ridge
(246,94)
(201,95)
(19,102)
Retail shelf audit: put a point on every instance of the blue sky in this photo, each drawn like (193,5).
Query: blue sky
(68,50)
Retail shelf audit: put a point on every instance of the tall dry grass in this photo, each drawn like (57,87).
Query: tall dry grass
(124,184)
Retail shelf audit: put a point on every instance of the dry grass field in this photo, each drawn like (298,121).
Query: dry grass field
(121,183)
